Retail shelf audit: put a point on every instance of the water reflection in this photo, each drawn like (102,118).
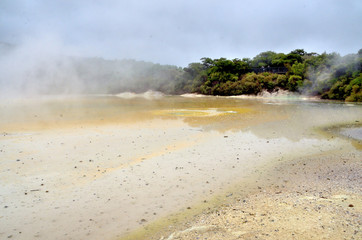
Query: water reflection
(267,118)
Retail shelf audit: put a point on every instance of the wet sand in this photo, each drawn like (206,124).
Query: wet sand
(318,197)
(106,175)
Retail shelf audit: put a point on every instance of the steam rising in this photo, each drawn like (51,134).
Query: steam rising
(51,41)
(180,32)
(147,95)
(48,67)
(324,76)
(37,67)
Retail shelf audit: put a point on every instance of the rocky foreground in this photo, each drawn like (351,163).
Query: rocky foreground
(314,198)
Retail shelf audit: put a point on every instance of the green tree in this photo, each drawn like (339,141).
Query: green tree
(298,69)
(263,59)
(294,82)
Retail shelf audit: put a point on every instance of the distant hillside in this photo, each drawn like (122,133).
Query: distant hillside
(327,75)
(74,75)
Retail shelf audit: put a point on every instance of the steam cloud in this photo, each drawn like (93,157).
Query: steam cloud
(43,67)
(324,76)
(46,33)
(37,67)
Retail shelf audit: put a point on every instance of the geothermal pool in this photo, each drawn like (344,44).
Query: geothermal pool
(99,167)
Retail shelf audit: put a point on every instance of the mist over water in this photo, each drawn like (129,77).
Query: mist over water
(37,67)
(48,67)
(65,47)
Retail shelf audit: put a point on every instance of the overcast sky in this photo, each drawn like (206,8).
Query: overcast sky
(182,31)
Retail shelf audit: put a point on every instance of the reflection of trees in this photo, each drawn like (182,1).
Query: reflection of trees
(275,119)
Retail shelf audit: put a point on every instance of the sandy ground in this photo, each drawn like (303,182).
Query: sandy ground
(312,198)
(147,176)
(105,181)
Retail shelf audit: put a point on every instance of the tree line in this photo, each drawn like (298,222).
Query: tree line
(328,75)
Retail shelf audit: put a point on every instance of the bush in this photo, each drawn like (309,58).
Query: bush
(294,82)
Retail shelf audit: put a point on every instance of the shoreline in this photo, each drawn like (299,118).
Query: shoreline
(322,204)
(312,197)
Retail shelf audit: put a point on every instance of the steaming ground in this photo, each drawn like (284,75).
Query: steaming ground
(101,167)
